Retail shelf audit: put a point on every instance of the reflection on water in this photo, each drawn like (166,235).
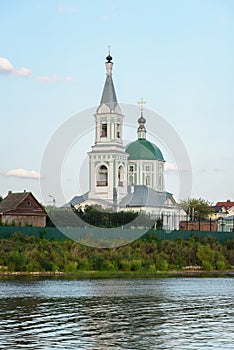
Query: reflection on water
(175,313)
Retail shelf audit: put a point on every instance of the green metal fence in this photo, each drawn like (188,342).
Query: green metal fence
(79,234)
(185,234)
(48,232)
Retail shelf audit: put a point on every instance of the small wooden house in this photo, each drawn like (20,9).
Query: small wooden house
(22,209)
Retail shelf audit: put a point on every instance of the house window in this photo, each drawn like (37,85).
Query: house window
(147,180)
(102,176)
(148,168)
(29,203)
(131,168)
(118,131)
(120,176)
(130,180)
(104,130)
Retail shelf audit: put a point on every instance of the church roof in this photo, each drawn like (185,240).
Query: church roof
(144,196)
(109,96)
(83,198)
(76,200)
(143,149)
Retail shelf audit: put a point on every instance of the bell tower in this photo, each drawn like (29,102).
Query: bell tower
(108,159)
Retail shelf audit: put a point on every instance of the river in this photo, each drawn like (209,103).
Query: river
(161,313)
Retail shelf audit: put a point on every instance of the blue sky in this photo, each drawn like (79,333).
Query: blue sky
(177,54)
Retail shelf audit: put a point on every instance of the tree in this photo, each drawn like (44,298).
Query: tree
(197,208)
(97,216)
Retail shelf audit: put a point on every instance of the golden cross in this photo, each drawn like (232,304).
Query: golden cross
(141,103)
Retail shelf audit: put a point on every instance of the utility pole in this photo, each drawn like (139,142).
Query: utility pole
(53,200)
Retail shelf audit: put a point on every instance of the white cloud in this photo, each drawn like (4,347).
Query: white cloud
(23,72)
(6,67)
(68,78)
(219,170)
(173,167)
(170,167)
(210,171)
(48,79)
(22,173)
(53,79)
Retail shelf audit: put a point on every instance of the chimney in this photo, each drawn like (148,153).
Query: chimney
(9,192)
(228,200)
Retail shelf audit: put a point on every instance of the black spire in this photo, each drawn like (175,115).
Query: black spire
(109,58)
(141,131)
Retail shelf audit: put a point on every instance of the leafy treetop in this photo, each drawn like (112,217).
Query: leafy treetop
(197,208)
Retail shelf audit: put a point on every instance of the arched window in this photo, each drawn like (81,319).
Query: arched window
(118,131)
(147,180)
(104,130)
(131,168)
(120,175)
(102,176)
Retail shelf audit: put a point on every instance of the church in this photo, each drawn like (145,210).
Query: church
(126,177)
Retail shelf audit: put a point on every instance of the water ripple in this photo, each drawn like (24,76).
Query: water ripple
(137,314)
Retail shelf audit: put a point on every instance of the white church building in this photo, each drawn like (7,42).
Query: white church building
(125,178)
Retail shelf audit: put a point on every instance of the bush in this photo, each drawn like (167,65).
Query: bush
(71,266)
(16,261)
(48,266)
(161,262)
(83,264)
(136,265)
(125,265)
(206,265)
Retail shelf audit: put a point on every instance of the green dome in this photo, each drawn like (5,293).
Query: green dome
(142,149)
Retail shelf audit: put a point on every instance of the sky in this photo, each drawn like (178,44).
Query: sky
(177,54)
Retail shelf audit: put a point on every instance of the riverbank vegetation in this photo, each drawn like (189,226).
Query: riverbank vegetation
(148,255)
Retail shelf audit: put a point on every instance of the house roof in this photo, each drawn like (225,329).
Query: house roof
(228,204)
(13,200)
(144,196)
(219,209)
(227,218)
(144,150)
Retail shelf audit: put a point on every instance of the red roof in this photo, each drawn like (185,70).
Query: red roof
(228,204)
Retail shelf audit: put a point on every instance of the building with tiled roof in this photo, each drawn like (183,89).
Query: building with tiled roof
(227,205)
(222,209)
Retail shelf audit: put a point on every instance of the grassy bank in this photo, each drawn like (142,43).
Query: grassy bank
(143,258)
(84,275)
